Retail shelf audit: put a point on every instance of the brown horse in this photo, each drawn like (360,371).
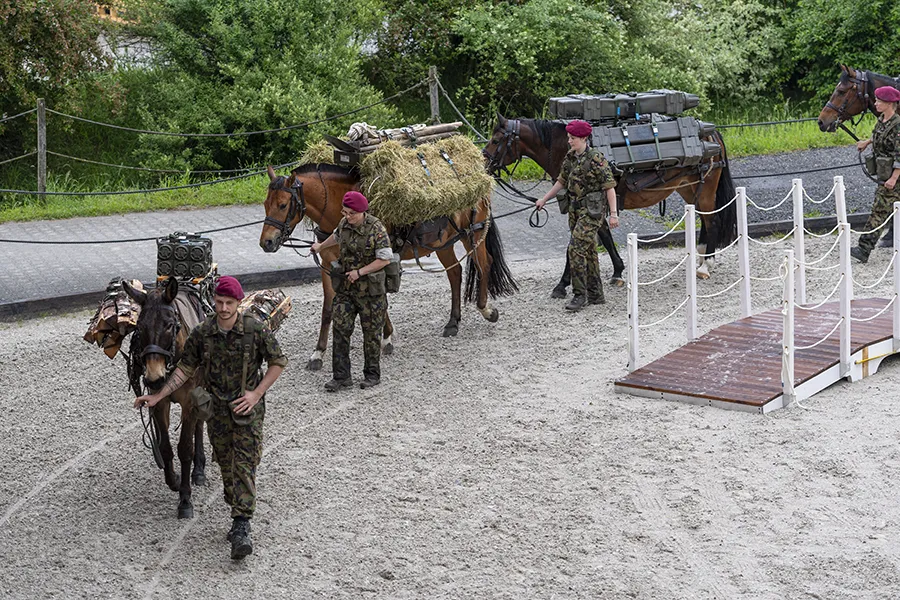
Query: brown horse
(156,346)
(853,95)
(708,187)
(314,191)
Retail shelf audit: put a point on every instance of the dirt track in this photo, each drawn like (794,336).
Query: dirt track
(497,464)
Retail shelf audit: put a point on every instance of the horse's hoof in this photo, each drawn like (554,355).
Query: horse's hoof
(702,275)
(494,316)
(451,330)
(198,479)
(388,349)
(314,364)
(617,282)
(186,512)
(558,292)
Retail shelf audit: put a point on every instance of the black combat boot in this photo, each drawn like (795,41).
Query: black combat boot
(336,384)
(576,303)
(369,382)
(859,254)
(241,545)
(234,525)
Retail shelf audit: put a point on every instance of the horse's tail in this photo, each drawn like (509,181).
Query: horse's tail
(500,281)
(725,193)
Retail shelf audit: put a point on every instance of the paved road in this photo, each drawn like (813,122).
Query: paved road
(37,278)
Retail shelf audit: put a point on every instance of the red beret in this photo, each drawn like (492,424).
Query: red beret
(887,94)
(355,201)
(229,286)
(579,128)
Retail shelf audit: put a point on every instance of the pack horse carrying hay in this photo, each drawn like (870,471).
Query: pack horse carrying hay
(426,184)
(652,156)
(159,321)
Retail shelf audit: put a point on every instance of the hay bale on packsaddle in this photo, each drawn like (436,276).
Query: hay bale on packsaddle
(402,191)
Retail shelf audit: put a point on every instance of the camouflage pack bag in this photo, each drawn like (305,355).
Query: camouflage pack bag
(201,404)
(595,203)
(562,200)
(246,347)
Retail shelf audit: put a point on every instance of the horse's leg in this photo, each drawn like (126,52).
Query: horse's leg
(198,474)
(483,263)
(315,361)
(185,456)
(160,415)
(560,290)
(710,235)
(448,258)
(618,264)
(387,342)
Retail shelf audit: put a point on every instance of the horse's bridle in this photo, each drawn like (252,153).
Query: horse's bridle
(169,354)
(296,207)
(861,83)
(508,145)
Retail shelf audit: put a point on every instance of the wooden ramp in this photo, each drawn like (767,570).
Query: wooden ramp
(738,365)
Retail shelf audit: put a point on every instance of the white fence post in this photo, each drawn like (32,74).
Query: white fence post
(799,244)
(840,205)
(632,283)
(896,217)
(846,297)
(690,242)
(787,339)
(744,252)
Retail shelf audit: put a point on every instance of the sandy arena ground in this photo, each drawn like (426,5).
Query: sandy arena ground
(496,464)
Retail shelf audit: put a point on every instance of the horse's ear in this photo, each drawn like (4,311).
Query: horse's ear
(501,119)
(171,290)
(139,296)
(271,172)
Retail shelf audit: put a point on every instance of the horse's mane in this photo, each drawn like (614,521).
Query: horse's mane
(320,167)
(544,130)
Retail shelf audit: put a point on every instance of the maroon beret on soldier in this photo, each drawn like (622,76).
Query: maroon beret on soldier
(887,93)
(579,128)
(355,201)
(229,286)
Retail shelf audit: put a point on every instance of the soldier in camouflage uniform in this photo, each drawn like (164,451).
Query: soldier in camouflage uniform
(885,143)
(235,429)
(365,250)
(584,170)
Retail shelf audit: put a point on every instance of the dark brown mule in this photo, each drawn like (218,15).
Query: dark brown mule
(545,142)
(853,95)
(315,191)
(156,346)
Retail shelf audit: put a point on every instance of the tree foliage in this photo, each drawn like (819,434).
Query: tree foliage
(248,65)
(45,46)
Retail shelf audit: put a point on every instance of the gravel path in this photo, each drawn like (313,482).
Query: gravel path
(496,464)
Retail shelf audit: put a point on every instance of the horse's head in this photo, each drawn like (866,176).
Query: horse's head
(284,209)
(850,98)
(157,335)
(503,148)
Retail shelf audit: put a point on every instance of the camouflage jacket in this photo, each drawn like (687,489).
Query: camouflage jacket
(361,245)
(886,139)
(223,356)
(581,176)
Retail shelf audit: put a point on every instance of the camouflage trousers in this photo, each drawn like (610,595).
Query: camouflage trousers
(237,449)
(582,252)
(371,311)
(881,210)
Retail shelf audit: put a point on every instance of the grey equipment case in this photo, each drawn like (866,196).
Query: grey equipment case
(184,256)
(641,147)
(611,107)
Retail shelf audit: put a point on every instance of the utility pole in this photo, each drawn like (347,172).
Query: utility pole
(41,146)
(433,94)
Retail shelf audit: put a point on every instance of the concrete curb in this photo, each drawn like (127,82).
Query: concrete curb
(23,309)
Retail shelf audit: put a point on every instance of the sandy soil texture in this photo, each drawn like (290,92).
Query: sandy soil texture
(496,464)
